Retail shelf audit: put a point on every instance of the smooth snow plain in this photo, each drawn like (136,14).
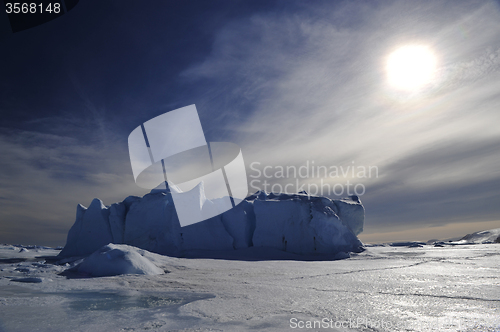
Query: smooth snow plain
(384,288)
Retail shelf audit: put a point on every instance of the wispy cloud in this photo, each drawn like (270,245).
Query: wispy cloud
(44,176)
(312,84)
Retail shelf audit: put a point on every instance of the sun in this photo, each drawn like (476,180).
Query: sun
(411,67)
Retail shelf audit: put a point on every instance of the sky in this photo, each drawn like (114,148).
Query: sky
(292,83)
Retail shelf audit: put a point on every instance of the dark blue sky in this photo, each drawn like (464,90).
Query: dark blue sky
(290,82)
(125,57)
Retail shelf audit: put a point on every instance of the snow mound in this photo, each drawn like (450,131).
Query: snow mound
(116,259)
(295,223)
(488,236)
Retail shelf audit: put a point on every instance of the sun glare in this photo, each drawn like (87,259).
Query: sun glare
(411,67)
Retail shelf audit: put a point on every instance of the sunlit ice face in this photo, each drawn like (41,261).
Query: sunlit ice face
(411,67)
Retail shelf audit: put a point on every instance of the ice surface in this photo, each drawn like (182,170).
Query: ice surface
(449,289)
(115,259)
(296,223)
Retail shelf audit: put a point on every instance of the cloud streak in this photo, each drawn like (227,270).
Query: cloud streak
(313,87)
(45,175)
(288,84)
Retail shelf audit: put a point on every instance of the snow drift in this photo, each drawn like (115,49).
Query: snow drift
(296,223)
(114,259)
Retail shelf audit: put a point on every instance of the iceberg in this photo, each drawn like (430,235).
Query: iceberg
(295,223)
(90,231)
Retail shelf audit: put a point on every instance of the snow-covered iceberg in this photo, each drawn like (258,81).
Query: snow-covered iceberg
(296,223)
(488,236)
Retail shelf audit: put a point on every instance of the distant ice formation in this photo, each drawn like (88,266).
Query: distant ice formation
(482,237)
(296,223)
